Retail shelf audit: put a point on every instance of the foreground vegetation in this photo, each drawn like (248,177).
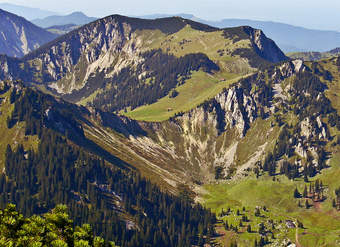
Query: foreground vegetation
(54,229)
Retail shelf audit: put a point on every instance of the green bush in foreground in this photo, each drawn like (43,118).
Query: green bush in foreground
(52,229)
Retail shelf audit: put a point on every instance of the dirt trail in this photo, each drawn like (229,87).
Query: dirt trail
(317,206)
(297,243)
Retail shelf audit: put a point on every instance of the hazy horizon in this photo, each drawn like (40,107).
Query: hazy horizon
(310,14)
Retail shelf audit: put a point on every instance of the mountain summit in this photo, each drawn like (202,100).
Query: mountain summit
(116,53)
(76,18)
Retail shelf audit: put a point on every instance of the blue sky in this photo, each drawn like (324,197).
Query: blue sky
(313,14)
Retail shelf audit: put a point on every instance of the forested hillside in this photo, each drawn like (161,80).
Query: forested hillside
(118,203)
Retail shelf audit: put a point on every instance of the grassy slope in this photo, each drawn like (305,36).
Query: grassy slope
(255,138)
(116,144)
(16,134)
(201,86)
(195,91)
(189,40)
(322,225)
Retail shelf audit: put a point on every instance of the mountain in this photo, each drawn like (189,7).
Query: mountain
(268,130)
(314,56)
(19,36)
(63,29)
(171,132)
(26,12)
(288,37)
(117,53)
(76,18)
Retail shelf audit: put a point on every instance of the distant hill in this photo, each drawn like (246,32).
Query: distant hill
(26,12)
(62,29)
(314,55)
(19,36)
(288,37)
(77,18)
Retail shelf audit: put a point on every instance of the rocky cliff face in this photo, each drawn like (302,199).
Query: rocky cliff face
(18,36)
(265,47)
(98,47)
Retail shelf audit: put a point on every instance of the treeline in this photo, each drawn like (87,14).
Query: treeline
(54,228)
(120,205)
(314,191)
(164,72)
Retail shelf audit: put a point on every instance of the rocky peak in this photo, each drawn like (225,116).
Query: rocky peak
(264,46)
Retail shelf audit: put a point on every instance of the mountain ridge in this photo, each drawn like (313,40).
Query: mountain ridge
(109,47)
(289,37)
(19,36)
(269,122)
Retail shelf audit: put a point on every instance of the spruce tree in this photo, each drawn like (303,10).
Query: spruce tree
(226,226)
(296,193)
(305,193)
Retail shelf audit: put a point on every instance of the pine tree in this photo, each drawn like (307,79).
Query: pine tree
(257,212)
(296,193)
(262,242)
(262,229)
(305,178)
(305,193)
(226,226)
